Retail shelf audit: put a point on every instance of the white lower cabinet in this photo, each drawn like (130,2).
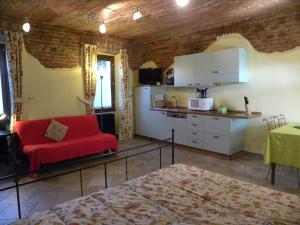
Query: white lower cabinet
(158,128)
(217,143)
(213,133)
(194,131)
(179,126)
(223,135)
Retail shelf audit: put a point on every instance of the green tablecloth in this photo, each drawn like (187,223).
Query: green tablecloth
(283,146)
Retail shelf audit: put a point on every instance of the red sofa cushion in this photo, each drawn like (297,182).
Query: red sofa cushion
(58,151)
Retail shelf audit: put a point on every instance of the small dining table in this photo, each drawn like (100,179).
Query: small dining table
(283,147)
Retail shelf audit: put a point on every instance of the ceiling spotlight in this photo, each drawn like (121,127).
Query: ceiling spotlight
(102,28)
(137,15)
(26,25)
(182,3)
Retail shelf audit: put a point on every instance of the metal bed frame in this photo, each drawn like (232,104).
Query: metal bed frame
(16,177)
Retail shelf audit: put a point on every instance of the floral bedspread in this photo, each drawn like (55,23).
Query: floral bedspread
(180,195)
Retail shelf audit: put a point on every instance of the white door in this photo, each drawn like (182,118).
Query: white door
(184,70)
(202,69)
(158,125)
(142,111)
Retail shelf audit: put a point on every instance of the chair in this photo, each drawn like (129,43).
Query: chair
(280,120)
(271,123)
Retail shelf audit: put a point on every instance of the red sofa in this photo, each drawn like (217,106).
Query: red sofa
(83,138)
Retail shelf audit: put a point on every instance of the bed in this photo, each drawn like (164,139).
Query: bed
(181,195)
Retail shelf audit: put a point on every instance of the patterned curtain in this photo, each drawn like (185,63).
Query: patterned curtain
(14,46)
(89,53)
(126,126)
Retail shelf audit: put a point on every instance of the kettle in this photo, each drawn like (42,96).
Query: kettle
(201,93)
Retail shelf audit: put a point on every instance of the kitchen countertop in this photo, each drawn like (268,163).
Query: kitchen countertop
(230,114)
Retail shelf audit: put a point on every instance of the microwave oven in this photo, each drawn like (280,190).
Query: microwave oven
(202,104)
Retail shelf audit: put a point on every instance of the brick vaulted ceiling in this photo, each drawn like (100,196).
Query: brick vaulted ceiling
(162,20)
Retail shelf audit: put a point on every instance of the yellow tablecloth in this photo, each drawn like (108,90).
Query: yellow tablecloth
(283,146)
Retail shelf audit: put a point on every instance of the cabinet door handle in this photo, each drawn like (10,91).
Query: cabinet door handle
(194,116)
(198,84)
(194,133)
(195,142)
(190,84)
(194,125)
(216,118)
(215,71)
(216,137)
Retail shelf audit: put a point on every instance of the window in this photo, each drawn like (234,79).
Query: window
(105,68)
(4,84)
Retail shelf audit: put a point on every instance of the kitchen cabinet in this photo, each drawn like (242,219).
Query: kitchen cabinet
(204,69)
(177,121)
(223,135)
(142,101)
(158,127)
(192,70)
(214,133)
(184,70)
(229,66)
(194,131)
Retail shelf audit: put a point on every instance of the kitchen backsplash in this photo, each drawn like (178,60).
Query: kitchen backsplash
(223,95)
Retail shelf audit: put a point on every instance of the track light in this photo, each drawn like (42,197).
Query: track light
(137,15)
(102,28)
(26,25)
(182,3)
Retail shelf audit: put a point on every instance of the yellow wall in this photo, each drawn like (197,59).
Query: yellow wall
(273,88)
(53,91)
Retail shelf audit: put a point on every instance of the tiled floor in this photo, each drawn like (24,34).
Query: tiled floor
(42,195)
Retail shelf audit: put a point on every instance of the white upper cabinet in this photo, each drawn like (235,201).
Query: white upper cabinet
(229,66)
(184,70)
(202,69)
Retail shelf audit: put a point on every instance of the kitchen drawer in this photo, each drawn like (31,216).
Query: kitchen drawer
(217,125)
(216,143)
(195,118)
(194,126)
(195,134)
(195,143)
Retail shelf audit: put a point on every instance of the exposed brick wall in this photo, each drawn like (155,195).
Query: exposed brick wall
(54,47)
(268,33)
(57,47)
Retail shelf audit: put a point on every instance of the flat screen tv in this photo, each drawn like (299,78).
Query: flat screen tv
(150,76)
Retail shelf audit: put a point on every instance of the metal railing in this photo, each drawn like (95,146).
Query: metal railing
(16,177)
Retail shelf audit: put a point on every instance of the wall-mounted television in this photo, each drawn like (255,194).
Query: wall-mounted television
(150,76)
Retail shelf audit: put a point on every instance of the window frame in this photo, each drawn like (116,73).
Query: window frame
(5,81)
(112,69)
